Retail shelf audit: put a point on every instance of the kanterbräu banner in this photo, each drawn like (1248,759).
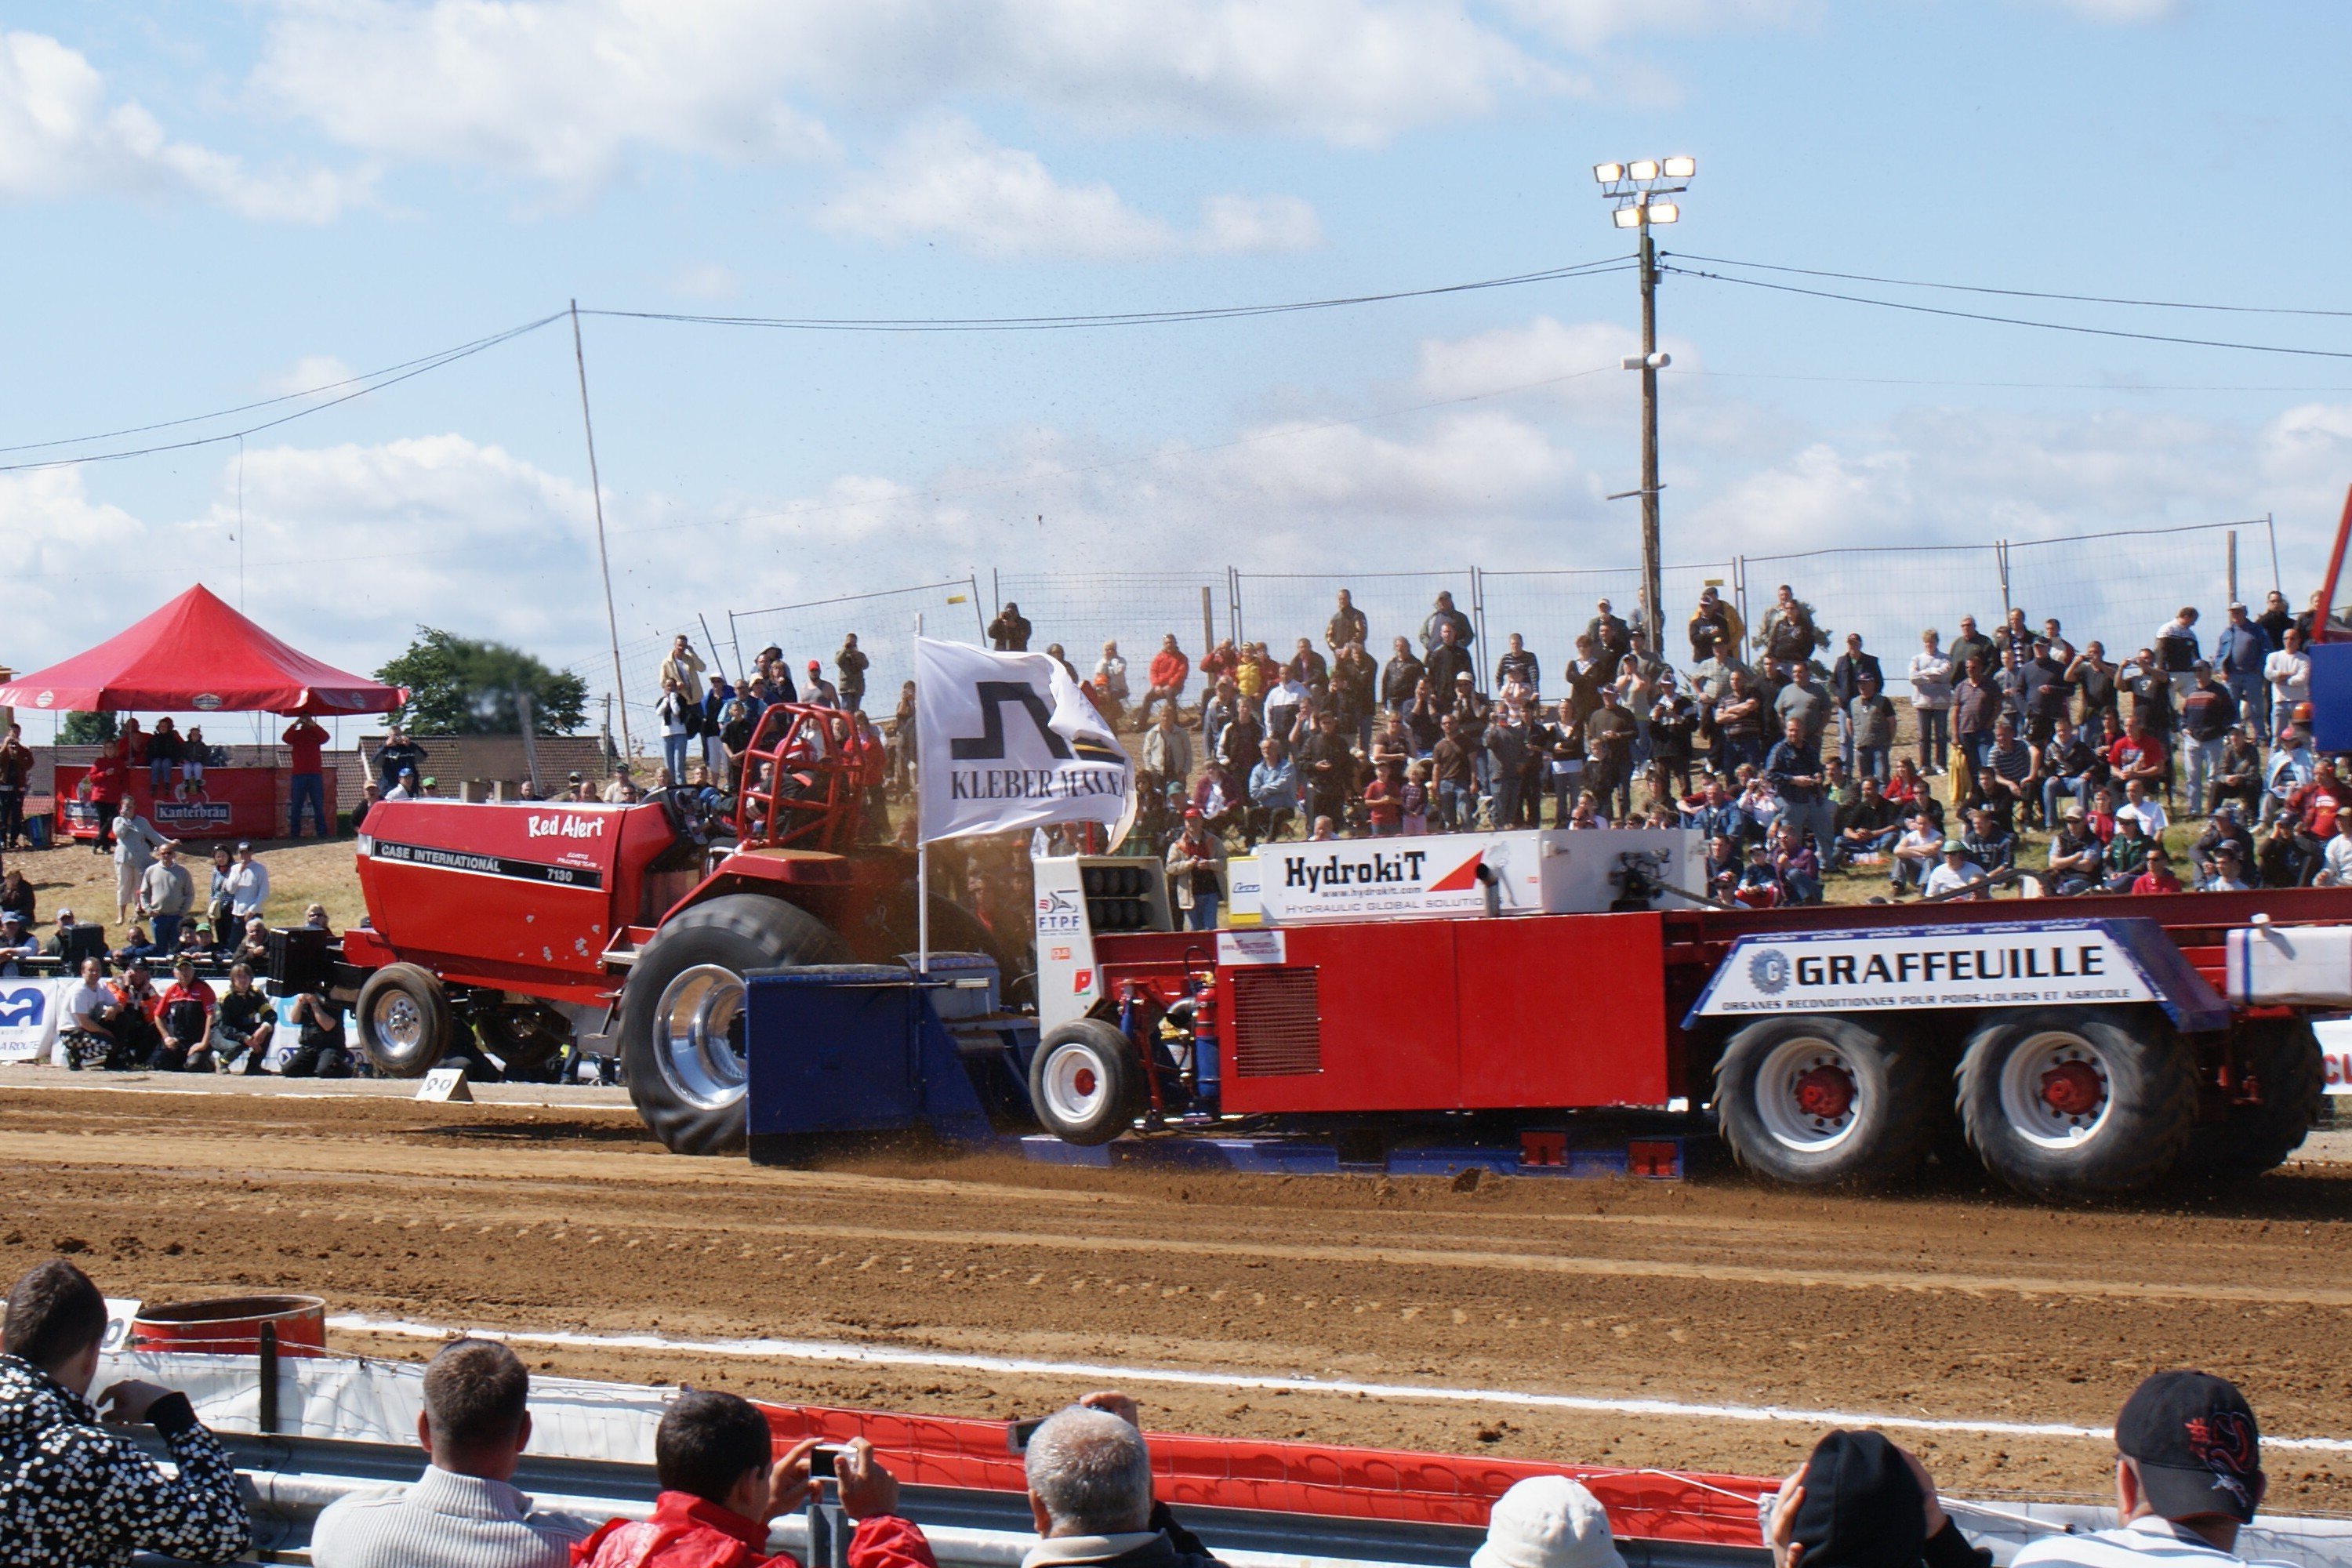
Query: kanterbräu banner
(1008,740)
(225,803)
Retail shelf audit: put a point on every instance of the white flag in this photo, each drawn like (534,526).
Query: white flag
(1006,740)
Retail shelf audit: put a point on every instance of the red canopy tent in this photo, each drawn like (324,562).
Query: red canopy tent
(197,654)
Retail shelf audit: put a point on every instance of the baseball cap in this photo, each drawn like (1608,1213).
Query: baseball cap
(12,917)
(2194,1439)
(1862,1506)
(1548,1521)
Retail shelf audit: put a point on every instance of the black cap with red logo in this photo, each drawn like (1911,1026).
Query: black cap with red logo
(2198,1449)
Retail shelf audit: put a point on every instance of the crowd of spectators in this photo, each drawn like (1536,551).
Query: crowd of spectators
(2013,758)
(75,1487)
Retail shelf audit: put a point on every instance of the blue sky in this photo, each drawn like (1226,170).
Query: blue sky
(210,204)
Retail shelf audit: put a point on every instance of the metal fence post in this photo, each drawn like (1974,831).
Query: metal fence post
(1478,627)
(266,1417)
(1739,600)
(2270,526)
(2229,569)
(995,595)
(1233,604)
(2001,565)
(1208,621)
(979,621)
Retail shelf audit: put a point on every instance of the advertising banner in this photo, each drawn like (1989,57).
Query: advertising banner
(28,1017)
(2022,963)
(1431,874)
(2336,1052)
(225,803)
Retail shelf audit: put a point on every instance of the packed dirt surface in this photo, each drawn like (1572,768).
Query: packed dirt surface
(1953,1304)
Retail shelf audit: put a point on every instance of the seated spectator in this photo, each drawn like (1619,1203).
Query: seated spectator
(2228,874)
(721,1486)
(462,1512)
(1987,843)
(2140,803)
(2335,863)
(243,1024)
(2101,817)
(1722,867)
(2278,863)
(1862,1502)
(1272,796)
(254,946)
(1548,1521)
(2227,826)
(1759,887)
(2238,776)
(320,1050)
(1110,683)
(2072,768)
(184,1021)
(2006,777)
(1308,667)
(93,1029)
(1090,1476)
(71,1491)
(1170,669)
(134,1026)
(1324,831)
(1867,828)
(1218,797)
(16,895)
(2127,853)
(1797,866)
(1586,813)
(1916,855)
(16,942)
(2077,859)
(1957,877)
(2189,1477)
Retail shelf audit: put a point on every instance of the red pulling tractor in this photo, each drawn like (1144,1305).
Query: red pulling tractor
(628,929)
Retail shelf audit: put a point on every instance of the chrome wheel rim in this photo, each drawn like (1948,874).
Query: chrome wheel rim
(2056,1089)
(698,1036)
(1808,1095)
(399,1022)
(1076,1088)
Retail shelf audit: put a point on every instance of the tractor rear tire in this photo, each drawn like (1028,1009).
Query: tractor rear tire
(682,1047)
(2283,1057)
(2078,1101)
(1084,1083)
(1823,1099)
(403,1020)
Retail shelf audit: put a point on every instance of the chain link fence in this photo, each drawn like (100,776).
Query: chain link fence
(883,622)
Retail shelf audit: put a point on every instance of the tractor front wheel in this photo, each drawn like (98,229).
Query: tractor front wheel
(403,1020)
(1085,1083)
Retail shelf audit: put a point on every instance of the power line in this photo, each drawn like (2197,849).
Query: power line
(2003,385)
(1111,318)
(2012,321)
(2022,293)
(418,367)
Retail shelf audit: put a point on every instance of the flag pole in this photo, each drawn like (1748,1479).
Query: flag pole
(922,846)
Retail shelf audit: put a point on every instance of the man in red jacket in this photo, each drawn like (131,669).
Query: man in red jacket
(712,1453)
(1170,669)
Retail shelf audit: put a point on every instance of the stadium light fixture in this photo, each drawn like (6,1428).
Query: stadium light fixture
(1627,217)
(1680,168)
(1664,212)
(1608,173)
(1643,169)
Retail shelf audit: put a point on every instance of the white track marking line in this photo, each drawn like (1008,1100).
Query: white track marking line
(1107,1374)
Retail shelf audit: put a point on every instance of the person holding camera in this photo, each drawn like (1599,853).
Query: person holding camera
(1090,1476)
(722,1484)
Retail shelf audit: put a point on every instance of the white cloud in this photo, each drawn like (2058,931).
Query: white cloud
(704,280)
(59,138)
(944,178)
(565,90)
(1586,24)
(2120,12)
(313,373)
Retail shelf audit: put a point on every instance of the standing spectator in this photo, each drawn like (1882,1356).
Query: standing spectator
(1218,707)
(1674,727)
(677,718)
(1221,663)
(2176,649)
(1739,725)
(464,1512)
(1442,614)
(16,778)
(1561,740)
(1518,665)
(1976,708)
(2014,682)
(1790,633)
(1196,870)
(1400,677)
(1308,668)
(1272,796)
(397,755)
(1346,625)
(1805,700)
(684,665)
(1845,685)
(247,885)
(1612,639)
(1239,741)
(2048,696)
(1285,699)
(71,1491)
(1972,643)
(1454,776)
(2095,681)
(1326,769)
(306,776)
(2015,635)
(1449,656)
(1168,751)
(1171,668)
(1870,723)
(850,663)
(1794,767)
(722,1487)
(1355,680)
(1715,627)
(1009,632)
(818,689)
(166,894)
(1252,676)
(1931,700)
(1609,735)
(2288,673)
(2275,619)
(1506,757)
(2207,714)
(2240,654)
(135,843)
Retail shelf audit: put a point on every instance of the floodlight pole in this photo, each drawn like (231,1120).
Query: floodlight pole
(1653,572)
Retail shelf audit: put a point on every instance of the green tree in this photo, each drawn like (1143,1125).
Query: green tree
(462,685)
(86,730)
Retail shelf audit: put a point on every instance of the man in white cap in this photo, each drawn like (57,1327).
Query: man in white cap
(1547,1521)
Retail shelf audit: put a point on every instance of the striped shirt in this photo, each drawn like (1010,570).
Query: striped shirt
(2145,1542)
(445,1520)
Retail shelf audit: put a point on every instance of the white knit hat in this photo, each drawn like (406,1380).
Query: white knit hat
(1548,1521)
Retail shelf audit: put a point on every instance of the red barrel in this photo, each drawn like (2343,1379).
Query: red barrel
(231,1325)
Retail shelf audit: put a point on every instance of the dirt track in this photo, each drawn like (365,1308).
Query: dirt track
(1953,1304)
